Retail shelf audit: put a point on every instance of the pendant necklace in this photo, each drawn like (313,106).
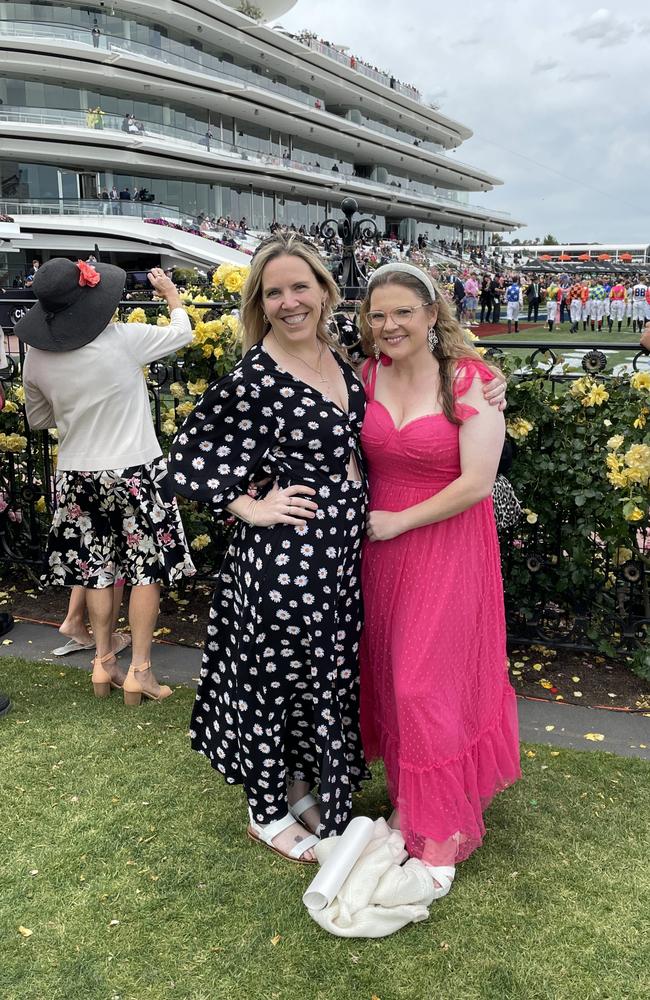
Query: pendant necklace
(319,370)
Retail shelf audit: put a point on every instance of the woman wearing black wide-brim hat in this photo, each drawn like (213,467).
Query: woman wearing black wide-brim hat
(116,513)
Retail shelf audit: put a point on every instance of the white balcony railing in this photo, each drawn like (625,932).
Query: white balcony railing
(172,135)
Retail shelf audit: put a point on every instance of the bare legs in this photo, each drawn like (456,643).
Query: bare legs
(74,624)
(144,606)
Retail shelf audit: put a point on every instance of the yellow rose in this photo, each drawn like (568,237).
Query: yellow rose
(232,322)
(613,462)
(234,282)
(197,388)
(531,516)
(163,321)
(596,396)
(581,386)
(200,542)
(19,394)
(10,407)
(168,427)
(623,555)
(636,514)
(615,442)
(638,455)
(14,443)
(518,428)
(183,410)
(137,316)
(40,506)
(222,271)
(218,352)
(617,479)
(640,380)
(177,389)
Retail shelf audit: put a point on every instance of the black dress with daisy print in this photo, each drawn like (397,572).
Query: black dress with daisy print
(278,693)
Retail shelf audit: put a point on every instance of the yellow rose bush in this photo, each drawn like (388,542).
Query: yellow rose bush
(581,470)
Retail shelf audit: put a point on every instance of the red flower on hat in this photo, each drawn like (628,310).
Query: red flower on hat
(87,274)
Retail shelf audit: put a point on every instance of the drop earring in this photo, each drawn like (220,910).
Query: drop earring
(432,338)
(376,350)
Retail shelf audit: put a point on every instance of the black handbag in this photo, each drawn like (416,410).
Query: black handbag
(507,509)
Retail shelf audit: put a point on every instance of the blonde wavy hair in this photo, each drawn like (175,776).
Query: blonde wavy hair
(452,344)
(255,325)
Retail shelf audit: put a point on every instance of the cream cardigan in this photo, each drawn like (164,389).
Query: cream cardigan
(97,397)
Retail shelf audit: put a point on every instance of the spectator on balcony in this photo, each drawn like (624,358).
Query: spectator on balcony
(335,168)
(126,122)
(125,194)
(29,277)
(96,34)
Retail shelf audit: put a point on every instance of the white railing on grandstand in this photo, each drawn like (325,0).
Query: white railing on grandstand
(93,206)
(332,52)
(171,52)
(174,135)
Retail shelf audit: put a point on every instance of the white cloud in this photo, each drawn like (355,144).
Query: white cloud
(602,27)
(544,65)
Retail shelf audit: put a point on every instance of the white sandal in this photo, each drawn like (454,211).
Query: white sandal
(299,808)
(444,876)
(265,835)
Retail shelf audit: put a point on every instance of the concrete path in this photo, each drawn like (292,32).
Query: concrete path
(552,723)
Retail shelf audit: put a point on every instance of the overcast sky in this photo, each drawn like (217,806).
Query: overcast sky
(556,94)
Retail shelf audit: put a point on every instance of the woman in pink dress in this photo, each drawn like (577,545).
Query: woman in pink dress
(436,702)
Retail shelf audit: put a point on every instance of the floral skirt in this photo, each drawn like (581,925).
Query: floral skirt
(122,523)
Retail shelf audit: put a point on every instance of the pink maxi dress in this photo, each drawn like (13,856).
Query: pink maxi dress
(436,702)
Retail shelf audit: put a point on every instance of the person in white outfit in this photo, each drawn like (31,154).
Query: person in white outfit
(116,513)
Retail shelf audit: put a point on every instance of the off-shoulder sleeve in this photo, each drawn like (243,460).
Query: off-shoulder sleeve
(466,371)
(222,446)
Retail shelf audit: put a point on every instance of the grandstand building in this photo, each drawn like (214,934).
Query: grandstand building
(230,116)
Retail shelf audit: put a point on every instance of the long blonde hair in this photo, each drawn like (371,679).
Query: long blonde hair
(254,323)
(452,345)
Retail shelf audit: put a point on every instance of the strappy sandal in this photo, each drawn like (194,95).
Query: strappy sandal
(135,692)
(265,834)
(103,681)
(299,808)
(444,876)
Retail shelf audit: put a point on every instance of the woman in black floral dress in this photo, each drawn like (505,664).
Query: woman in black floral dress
(277,704)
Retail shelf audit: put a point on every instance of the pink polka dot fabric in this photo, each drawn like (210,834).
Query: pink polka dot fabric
(436,702)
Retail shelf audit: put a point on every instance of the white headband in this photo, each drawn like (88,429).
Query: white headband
(396,268)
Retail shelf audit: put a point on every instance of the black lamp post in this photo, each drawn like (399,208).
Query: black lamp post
(352,281)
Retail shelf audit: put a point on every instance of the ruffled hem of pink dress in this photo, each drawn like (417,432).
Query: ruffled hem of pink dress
(441,806)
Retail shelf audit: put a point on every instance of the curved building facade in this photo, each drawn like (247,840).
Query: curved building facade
(231,118)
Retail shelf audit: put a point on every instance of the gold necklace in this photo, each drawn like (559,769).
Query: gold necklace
(318,370)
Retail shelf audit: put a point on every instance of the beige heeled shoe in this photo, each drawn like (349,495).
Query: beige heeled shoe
(103,679)
(134,691)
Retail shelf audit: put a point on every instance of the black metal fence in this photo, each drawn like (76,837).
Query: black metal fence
(616,603)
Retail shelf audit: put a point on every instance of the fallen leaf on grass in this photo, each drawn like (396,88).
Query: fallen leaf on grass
(537,666)
(577,694)
(546,684)
(25,931)
(576,680)
(549,729)
(276,939)
(33,871)
(530,753)
(594,737)
(114,923)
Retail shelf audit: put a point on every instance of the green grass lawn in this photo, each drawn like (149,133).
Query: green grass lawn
(540,332)
(126,857)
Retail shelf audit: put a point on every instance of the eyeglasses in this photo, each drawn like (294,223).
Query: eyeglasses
(400,317)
